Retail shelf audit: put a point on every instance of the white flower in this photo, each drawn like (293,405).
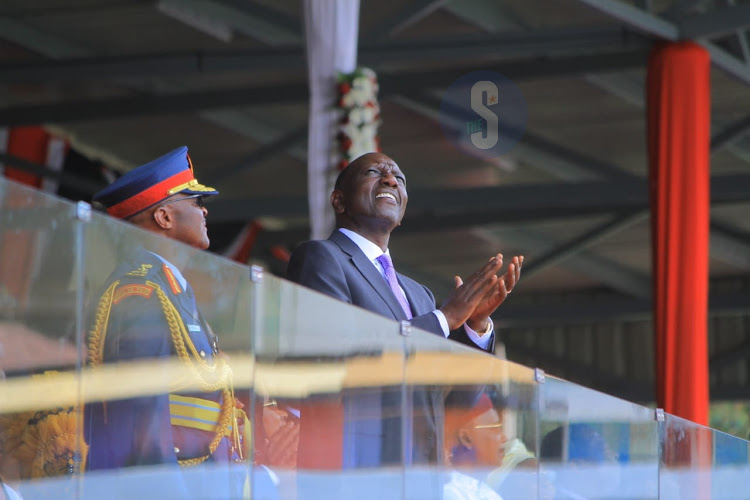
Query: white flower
(357,116)
(361,111)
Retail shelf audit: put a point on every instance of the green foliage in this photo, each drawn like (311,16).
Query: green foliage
(732,417)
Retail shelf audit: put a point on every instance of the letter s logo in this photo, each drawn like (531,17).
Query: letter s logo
(477,104)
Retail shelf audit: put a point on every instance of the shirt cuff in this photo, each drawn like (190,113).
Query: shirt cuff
(443,322)
(485,340)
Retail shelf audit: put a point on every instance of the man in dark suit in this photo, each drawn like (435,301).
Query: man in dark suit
(369,199)
(354,264)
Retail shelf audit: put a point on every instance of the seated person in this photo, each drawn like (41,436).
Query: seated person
(473,442)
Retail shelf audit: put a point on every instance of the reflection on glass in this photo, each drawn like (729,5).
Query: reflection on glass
(340,402)
(330,377)
(587,435)
(39,425)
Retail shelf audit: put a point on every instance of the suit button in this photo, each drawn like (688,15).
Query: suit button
(203,354)
(176,449)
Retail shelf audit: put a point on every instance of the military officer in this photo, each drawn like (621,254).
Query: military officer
(147,311)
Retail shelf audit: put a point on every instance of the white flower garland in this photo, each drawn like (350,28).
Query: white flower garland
(358,129)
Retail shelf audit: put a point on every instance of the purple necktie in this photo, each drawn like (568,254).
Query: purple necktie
(390,277)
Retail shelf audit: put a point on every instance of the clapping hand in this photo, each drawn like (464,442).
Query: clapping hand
(473,301)
(495,296)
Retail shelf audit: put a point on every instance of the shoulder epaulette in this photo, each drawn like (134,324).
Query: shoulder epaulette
(173,283)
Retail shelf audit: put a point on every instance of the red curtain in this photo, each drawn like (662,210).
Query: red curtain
(18,248)
(679,102)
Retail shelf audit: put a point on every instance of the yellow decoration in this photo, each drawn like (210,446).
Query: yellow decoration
(44,442)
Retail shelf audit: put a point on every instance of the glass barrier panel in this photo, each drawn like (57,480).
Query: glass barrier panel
(698,462)
(168,378)
(330,376)
(595,446)
(40,322)
(731,467)
(474,422)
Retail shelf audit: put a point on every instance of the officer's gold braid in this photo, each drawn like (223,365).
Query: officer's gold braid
(179,338)
(98,332)
(182,342)
(227,413)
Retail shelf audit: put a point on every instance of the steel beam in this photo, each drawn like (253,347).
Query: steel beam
(116,108)
(560,161)
(715,22)
(654,25)
(391,83)
(66,179)
(145,66)
(231,119)
(611,310)
(235,15)
(267,150)
(636,18)
(610,273)
(730,244)
(29,37)
(78,64)
(730,356)
(280,23)
(590,375)
(730,133)
(576,258)
(435,210)
(491,17)
(581,241)
(407,15)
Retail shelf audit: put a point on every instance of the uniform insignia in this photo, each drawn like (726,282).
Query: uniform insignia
(128,290)
(173,284)
(141,271)
(194,328)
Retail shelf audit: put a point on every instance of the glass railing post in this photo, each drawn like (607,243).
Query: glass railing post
(83,218)
(539,378)
(407,417)
(256,274)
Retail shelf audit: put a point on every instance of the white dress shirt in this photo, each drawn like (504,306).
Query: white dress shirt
(373,251)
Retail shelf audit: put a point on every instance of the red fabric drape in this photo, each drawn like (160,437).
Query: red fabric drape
(320,436)
(17,248)
(29,143)
(679,103)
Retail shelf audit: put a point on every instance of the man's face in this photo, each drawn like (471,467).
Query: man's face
(189,217)
(486,434)
(374,190)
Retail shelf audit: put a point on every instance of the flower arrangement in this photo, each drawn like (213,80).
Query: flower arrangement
(358,128)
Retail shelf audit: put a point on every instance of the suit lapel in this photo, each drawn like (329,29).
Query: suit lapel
(369,272)
(415,297)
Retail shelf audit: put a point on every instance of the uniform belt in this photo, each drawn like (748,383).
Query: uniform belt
(195,413)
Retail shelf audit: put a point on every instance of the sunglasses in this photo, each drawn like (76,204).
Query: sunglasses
(197,197)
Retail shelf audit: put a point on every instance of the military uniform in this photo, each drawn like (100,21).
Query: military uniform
(146,311)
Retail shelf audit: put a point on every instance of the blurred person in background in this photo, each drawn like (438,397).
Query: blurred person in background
(474,443)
